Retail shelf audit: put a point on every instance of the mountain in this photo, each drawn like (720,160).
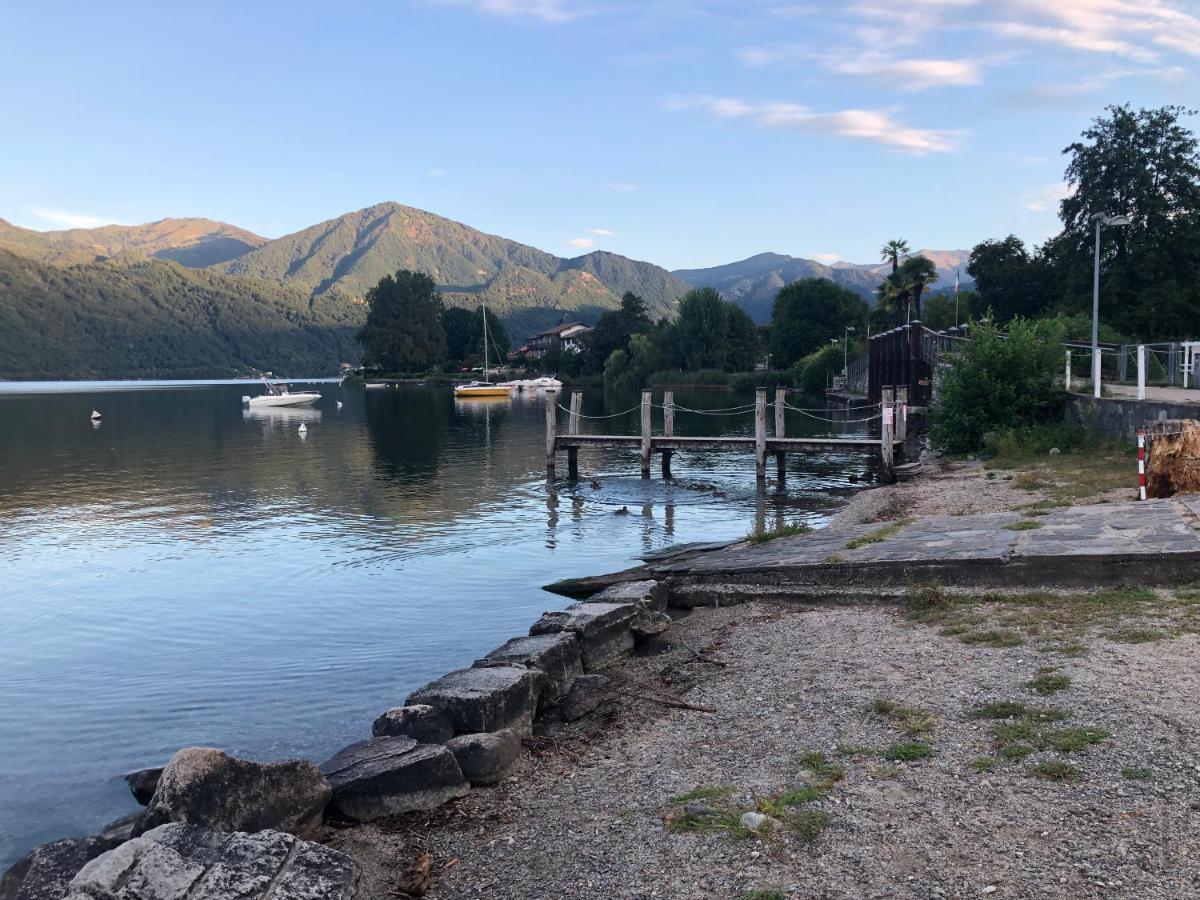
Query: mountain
(147,318)
(753,283)
(527,287)
(190,242)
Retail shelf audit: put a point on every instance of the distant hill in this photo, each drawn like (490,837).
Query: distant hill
(753,283)
(527,287)
(190,242)
(145,318)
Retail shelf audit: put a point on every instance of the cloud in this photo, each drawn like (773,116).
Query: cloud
(602,232)
(826,257)
(581,243)
(910,74)
(1136,29)
(551,12)
(1048,198)
(61,218)
(621,187)
(436,173)
(873,125)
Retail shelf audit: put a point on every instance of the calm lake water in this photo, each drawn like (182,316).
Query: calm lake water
(188,573)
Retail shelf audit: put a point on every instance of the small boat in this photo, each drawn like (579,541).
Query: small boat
(279,395)
(545,383)
(483,389)
(96,417)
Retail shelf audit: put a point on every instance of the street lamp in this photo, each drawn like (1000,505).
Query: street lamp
(1101,219)
(846,351)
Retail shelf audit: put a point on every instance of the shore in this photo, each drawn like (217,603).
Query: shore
(891,750)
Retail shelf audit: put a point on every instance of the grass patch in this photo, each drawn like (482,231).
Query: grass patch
(1022,525)
(1056,770)
(715,792)
(993,637)
(789,530)
(1003,709)
(823,771)
(833,559)
(983,764)
(1071,740)
(909,751)
(726,821)
(779,805)
(879,534)
(853,750)
(1138,635)
(808,824)
(1015,751)
(908,718)
(1136,773)
(1086,466)
(1048,683)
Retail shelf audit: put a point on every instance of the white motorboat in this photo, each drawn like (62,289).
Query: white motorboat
(545,383)
(278,395)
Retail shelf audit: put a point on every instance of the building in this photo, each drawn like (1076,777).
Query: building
(564,336)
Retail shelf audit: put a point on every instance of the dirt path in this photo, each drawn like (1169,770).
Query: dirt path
(591,813)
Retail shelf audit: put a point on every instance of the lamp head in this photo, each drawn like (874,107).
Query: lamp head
(1117,221)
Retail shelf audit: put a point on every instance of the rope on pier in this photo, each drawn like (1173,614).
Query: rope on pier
(728,411)
(611,416)
(804,412)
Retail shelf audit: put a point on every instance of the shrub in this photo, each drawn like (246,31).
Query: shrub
(998,383)
(811,374)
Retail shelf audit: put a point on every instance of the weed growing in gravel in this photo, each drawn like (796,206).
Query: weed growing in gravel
(1022,525)
(993,637)
(823,771)
(1136,773)
(909,751)
(764,894)
(853,750)
(1138,635)
(788,530)
(808,824)
(879,534)
(908,718)
(1056,770)
(778,806)
(833,559)
(1010,709)
(887,770)
(1017,739)
(727,821)
(1015,751)
(982,764)
(1070,740)
(714,792)
(1048,683)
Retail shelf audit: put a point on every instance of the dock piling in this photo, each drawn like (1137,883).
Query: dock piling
(780,431)
(902,413)
(887,430)
(668,431)
(645,445)
(760,433)
(573,428)
(551,430)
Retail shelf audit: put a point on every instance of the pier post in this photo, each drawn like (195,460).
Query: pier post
(887,410)
(780,431)
(760,433)
(645,434)
(573,428)
(901,413)
(551,430)
(668,431)
(1141,363)
(1067,377)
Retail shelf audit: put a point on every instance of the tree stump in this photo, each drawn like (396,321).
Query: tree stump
(1173,460)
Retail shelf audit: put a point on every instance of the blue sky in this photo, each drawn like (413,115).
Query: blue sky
(685,132)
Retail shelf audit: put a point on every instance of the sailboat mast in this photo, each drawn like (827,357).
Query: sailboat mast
(483,306)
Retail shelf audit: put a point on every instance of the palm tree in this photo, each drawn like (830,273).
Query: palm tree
(916,274)
(894,251)
(893,295)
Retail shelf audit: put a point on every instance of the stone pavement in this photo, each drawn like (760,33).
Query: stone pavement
(1152,542)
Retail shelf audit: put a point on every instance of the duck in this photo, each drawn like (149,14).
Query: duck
(595,484)
(96,417)
(303,429)
(623,511)
(339,404)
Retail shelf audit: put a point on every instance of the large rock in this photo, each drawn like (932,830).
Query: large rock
(556,654)
(587,693)
(424,724)
(486,758)
(45,872)
(386,776)
(651,596)
(143,782)
(603,630)
(207,787)
(485,699)
(173,862)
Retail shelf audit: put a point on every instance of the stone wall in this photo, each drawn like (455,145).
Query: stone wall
(1121,418)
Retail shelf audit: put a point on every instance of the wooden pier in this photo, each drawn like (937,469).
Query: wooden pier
(889,445)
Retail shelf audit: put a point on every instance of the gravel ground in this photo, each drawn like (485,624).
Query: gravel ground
(587,814)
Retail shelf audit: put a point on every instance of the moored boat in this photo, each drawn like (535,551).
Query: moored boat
(279,395)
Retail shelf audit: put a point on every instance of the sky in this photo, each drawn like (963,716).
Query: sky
(688,133)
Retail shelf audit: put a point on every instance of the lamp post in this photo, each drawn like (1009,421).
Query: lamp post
(846,351)
(1101,220)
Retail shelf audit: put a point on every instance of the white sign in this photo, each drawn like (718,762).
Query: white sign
(887,415)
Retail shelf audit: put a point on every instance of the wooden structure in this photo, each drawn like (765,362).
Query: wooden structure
(760,444)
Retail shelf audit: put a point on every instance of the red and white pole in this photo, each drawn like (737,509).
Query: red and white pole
(1141,441)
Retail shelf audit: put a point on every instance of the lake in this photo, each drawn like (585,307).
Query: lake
(187,572)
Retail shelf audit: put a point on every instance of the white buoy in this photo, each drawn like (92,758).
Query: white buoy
(339,404)
(96,415)
(303,429)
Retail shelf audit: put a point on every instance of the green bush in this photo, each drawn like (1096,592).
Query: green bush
(748,381)
(998,383)
(699,378)
(811,374)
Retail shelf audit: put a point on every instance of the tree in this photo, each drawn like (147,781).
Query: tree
(939,311)
(808,314)
(614,329)
(1145,165)
(709,334)
(403,331)
(915,274)
(461,336)
(1009,280)
(894,251)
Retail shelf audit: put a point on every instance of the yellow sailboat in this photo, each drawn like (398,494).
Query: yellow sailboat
(483,388)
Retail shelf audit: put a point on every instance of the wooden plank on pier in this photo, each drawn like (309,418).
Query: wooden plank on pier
(786,445)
